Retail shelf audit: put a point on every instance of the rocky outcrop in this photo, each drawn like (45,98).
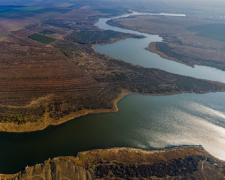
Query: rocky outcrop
(128,163)
(53,169)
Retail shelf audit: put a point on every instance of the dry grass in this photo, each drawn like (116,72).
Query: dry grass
(75,15)
(15,24)
(133,156)
(51,84)
(185,46)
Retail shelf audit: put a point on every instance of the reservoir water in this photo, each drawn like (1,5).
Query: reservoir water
(147,122)
(132,50)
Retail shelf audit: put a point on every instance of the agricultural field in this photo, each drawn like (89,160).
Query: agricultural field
(47,32)
(15,24)
(41,38)
(97,37)
(50,72)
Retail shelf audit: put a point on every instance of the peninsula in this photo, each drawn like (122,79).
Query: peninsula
(50,72)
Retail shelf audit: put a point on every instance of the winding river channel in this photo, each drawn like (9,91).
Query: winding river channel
(133,51)
(147,122)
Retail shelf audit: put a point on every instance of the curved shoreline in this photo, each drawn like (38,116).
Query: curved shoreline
(152,48)
(47,121)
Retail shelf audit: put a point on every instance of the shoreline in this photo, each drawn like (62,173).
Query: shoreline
(152,48)
(47,121)
(11,127)
(130,156)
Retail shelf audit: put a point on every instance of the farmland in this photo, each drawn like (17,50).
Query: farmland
(97,37)
(47,32)
(50,72)
(41,38)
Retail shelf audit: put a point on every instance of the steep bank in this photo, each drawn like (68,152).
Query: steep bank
(128,163)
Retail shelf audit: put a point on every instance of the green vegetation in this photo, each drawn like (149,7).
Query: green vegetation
(58,23)
(166,49)
(171,52)
(5,34)
(21,115)
(91,37)
(69,49)
(41,38)
(47,32)
(211,31)
(181,166)
(94,37)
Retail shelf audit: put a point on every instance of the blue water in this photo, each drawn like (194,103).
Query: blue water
(147,122)
(133,51)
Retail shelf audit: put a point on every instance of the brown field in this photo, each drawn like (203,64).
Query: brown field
(14,24)
(183,46)
(50,84)
(75,15)
(2,29)
(34,70)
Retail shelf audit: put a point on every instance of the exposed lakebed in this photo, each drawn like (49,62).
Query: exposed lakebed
(147,122)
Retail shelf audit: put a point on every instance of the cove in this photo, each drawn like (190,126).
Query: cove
(132,50)
(147,122)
